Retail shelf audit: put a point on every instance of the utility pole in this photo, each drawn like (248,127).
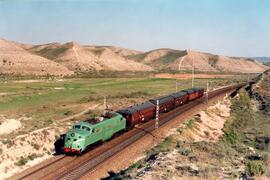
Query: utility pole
(105,105)
(176,86)
(192,72)
(207,90)
(157,115)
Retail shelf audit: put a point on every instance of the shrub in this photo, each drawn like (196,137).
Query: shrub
(185,152)
(254,168)
(136,165)
(180,130)
(202,145)
(8,142)
(32,156)
(190,123)
(35,146)
(168,144)
(68,113)
(22,161)
(206,133)
(230,137)
(56,137)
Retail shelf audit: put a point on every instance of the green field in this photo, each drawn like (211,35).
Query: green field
(47,101)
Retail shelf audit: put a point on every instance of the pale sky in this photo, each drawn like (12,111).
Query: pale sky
(225,27)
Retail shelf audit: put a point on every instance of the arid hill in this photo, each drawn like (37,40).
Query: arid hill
(86,58)
(182,60)
(69,58)
(17,61)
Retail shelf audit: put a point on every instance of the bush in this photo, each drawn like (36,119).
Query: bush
(136,165)
(168,144)
(206,133)
(32,156)
(35,146)
(201,145)
(22,161)
(190,124)
(180,130)
(8,142)
(68,113)
(254,168)
(184,151)
(230,137)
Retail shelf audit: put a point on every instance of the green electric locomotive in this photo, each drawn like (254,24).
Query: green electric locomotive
(85,133)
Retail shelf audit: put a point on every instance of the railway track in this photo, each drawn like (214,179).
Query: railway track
(75,167)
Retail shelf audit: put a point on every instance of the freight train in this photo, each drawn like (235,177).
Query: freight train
(99,129)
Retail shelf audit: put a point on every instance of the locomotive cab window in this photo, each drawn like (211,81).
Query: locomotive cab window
(76,127)
(93,130)
(86,128)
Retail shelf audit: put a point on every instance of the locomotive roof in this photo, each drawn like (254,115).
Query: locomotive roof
(179,94)
(102,118)
(162,99)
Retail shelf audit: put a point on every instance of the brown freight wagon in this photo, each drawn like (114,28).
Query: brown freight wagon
(147,110)
(132,116)
(166,103)
(191,94)
(194,93)
(200,92)
(180,98)
(138,114)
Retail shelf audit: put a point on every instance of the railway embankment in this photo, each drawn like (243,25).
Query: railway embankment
(227,140)
(260,91)
(26,150)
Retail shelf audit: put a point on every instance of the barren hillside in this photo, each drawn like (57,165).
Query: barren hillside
(183,60)
(69,58)
(85,58)
(15,60)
